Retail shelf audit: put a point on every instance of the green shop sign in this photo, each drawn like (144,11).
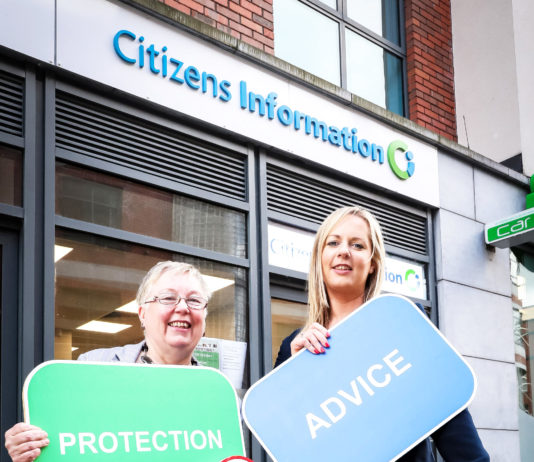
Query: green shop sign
(105,411)
(514,230)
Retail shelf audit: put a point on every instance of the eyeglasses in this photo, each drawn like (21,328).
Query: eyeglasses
(194,302)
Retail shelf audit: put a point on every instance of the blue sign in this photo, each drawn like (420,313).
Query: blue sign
(388,380)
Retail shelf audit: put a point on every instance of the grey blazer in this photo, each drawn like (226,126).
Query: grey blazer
(125,354)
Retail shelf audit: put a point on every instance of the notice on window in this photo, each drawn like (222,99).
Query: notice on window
(226,355)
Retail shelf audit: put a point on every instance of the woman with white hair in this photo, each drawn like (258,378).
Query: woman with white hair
(346,270)
(172,300)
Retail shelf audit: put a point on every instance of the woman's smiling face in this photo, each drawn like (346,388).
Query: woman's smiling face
(169,328)
(346,258)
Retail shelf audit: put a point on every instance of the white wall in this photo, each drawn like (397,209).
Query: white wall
(493,46)
(484,77)
(523,14)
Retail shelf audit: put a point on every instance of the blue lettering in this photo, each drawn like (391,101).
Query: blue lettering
(354,140)
(346,138)
(364,148)
(271,103)
(377,153)
(285,115)
(335,136)
(316,126)
(141,52)
(213,79)
(225,92)
(164,62)
(151,51)
(252,98)
(243,94)
(394,278)
(192,75)
(117,48)
(174,75)
(209,83)
(297,117)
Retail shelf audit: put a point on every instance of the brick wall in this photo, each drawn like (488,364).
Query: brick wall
(430,67)
(249,21)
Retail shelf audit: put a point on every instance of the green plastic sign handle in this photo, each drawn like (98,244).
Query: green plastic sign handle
(129,412)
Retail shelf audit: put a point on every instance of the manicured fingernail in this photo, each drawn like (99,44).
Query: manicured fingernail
(322,350)
(327,345)
(316,351)
(328,335)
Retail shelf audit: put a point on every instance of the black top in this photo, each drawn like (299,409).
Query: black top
(457,440)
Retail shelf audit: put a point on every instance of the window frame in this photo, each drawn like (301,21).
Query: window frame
(340,16)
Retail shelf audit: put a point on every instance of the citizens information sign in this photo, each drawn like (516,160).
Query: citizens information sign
(388,380)
(128,412)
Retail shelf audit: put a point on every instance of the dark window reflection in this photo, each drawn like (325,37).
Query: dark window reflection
(118,203)
(10,176)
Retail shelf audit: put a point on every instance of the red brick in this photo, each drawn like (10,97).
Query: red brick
(252,42)
(240,10)
(207,3)
(261,20)
(193,5)
(261,38)
(216,16)
(240,28)
(251,6)
(429,66)
(228,13)
(203,18)
(177,6)
(251,25)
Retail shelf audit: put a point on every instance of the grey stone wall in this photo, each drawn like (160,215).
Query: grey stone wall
(474,294)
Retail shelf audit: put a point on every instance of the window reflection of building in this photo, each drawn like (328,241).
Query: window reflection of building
(522,274)
(360,45)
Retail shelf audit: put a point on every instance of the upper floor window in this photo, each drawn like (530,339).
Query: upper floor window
(355,44)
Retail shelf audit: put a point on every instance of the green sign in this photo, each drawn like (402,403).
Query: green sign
(129,412)
(513,230)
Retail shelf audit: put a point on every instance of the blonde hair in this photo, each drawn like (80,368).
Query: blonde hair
(319,308)
(162,267)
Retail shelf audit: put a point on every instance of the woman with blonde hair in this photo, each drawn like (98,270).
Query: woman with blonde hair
(347,270)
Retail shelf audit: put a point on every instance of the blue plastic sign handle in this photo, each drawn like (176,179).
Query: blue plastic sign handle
(388,380)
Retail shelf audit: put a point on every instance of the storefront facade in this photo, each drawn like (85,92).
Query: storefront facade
(127,138)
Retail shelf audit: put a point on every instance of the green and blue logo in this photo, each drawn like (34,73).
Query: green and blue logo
(412,279)
(410,165)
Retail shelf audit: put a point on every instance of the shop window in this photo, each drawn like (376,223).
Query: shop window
(286,316)
(522,274)
(359,47)
(91,201)
(103,199)
(97,280)
(10,176)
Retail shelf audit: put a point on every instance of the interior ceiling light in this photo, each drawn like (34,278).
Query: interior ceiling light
(104,327)
(60,251)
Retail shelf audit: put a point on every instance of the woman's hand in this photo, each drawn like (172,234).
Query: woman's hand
(24,442)
(314,338)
